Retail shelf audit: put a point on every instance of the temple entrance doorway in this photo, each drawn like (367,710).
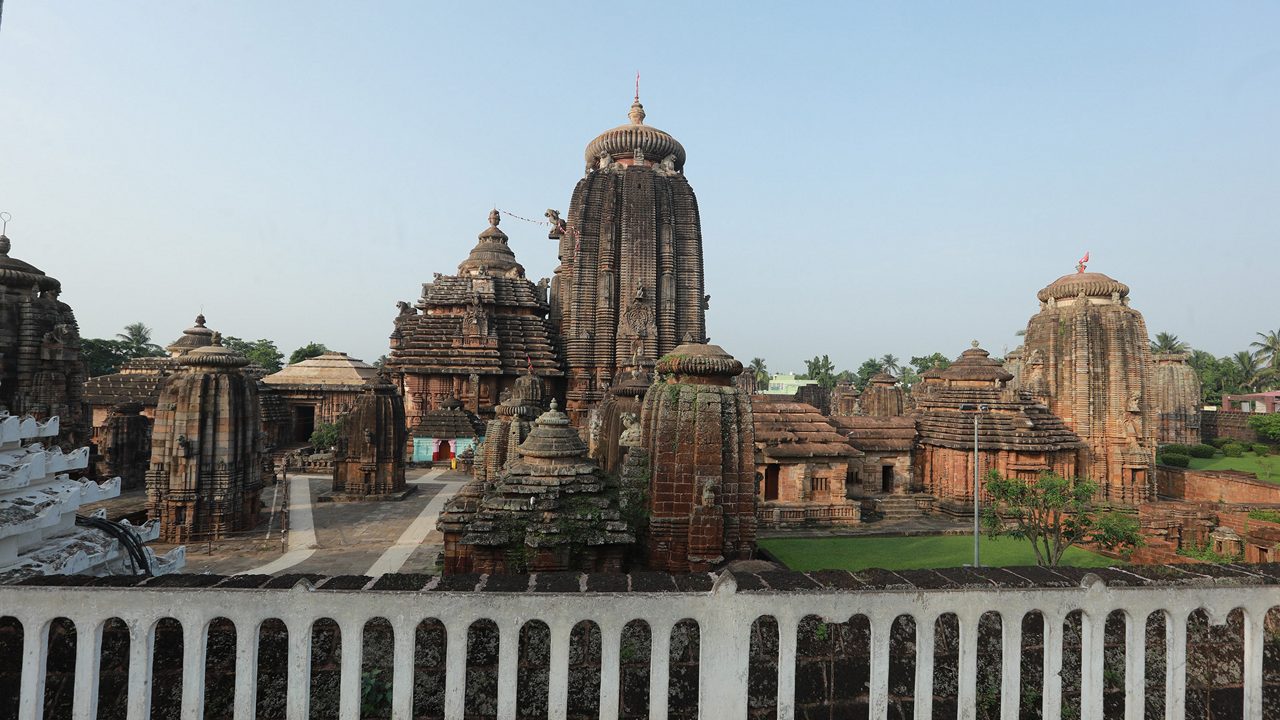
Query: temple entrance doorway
(304,422)
(771,482)
(444,451)
(886,479)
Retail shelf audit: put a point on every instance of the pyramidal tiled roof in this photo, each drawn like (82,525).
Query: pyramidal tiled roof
(332,369)
(795,430)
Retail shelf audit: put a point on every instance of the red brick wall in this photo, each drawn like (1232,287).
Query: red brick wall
(1226,486)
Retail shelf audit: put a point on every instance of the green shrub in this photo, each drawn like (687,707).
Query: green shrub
(1267,425)
(1205,553)
(1176,449)
(1203,451)
(324,436)
(1218,442)
(1233,450)
(1174,459)
(1262,448)
(1271,516)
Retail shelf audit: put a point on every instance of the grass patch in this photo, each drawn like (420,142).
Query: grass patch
(912,553)
(1266,467)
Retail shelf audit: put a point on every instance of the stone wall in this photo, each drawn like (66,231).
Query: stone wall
(832,656)
(1235,425)
(1224,486)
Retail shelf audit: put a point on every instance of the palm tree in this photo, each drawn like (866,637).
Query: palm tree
(889,364)
(760,373)
(1244,365)
(1268,346)
(1168,343)
(137,340)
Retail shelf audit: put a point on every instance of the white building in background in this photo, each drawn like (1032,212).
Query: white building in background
(39,534)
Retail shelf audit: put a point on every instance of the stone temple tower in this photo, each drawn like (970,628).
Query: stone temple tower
(41,369)
(1176,394)
(1087,356)
(369,460)
(630,282)
(700,441)
(206,449)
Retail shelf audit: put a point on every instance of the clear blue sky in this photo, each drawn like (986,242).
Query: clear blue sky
(873,178)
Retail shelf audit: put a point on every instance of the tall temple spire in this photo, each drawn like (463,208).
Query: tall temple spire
(630,282)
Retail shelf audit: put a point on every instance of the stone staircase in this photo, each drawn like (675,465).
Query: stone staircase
(899,507)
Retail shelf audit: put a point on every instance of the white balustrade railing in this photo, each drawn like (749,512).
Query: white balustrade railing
(725,617)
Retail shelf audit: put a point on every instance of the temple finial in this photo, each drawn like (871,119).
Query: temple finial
(974,343)
(637,110)
(495,217)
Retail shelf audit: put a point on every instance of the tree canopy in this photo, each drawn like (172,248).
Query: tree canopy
(136,340)
(103,357)
(260,352)
(760,373)
(920,363)
(821,370)
(308,351)
(1053,513)
(863,374)
(1168,343)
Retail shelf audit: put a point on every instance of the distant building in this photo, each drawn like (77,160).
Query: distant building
(1264,402)
(786,384)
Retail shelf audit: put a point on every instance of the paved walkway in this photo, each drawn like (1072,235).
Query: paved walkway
(413,536)
(345,538)
(302,529)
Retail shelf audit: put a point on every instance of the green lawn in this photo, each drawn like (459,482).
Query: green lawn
(911,553)
(1266,467)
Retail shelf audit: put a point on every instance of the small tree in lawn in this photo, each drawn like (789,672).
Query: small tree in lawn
(1053,513)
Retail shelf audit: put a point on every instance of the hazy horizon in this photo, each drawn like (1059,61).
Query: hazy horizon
(871,179)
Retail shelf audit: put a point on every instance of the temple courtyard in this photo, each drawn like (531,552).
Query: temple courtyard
(330,538)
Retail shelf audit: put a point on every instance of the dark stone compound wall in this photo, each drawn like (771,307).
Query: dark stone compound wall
(832,659)
(1234,425)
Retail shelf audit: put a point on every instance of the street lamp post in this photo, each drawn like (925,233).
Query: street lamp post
(977,490)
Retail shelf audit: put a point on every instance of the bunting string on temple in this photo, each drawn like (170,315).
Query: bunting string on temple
(565,227)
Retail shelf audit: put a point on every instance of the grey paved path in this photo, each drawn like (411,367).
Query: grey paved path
(344,538)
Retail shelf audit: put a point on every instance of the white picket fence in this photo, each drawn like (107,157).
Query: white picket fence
(725,617)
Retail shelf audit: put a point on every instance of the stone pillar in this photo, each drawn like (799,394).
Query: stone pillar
(700,442)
